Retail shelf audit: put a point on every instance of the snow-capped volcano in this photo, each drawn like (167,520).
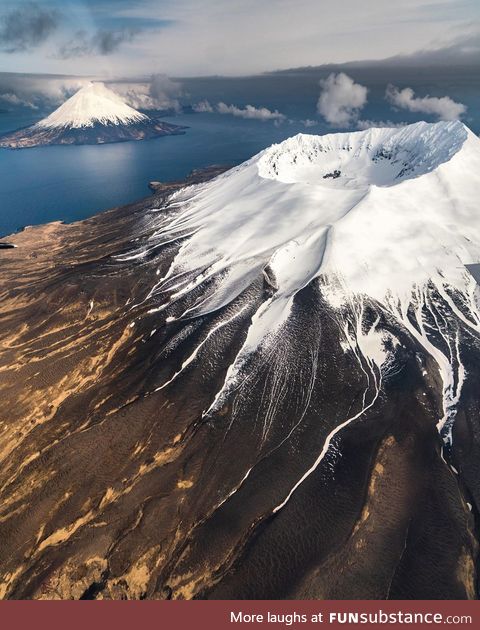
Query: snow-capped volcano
(388,216)
(93,115)
(378,208)
(93,104)
(383,209)
(265,385)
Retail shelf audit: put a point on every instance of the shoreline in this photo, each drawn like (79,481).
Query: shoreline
(196,176)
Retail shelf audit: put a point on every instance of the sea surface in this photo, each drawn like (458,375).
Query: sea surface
(69,183)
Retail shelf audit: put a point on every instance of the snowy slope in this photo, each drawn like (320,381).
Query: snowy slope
(404,208)
(91,105)
(383,216)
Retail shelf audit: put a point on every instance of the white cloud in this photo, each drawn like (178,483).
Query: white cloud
(308,122)
(160,93)
(366,124)
(444,107)
(203,107)
(249,111)
(341,99)
(13,99)
(37,92)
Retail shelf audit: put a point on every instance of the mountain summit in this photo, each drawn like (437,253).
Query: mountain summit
(93,115)
(93,104)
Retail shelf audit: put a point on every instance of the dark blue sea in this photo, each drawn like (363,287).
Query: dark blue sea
(73,182)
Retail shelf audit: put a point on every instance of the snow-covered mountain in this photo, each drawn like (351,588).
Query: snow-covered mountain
(93,115)
(384,216)
(268,384)
(92,105)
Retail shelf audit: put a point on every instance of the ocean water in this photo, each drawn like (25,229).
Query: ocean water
(69,183)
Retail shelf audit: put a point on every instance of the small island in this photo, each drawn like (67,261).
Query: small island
(93,115)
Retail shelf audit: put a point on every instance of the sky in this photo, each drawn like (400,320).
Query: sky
(132,38)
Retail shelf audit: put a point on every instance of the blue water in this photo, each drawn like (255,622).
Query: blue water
(70,183)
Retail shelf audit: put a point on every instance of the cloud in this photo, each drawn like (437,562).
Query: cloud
(461,50)
(13,99)
(102,42)
(341,99)
(251,112)
(36,91)
(203,107)
(47,92)
(160,93)
(444,107)
(164,91)
(79,46)
(106,42)
(367,124)
(27,27)
(176,36)
(308,122)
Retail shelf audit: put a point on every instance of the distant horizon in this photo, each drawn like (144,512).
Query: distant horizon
(110,38)
(406,62)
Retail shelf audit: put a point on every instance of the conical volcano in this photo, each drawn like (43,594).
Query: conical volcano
(93,115)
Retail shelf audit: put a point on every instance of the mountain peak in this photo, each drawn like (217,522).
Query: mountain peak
(377,156)
(383,219)
(377,208)
(93,104)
